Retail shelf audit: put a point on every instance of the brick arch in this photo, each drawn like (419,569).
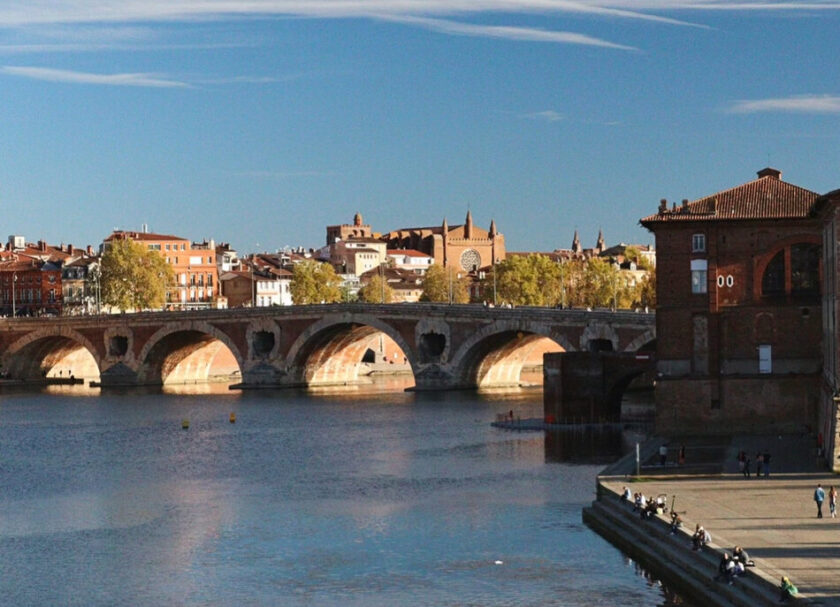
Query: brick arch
(761,261)
(330,335)
(152,366)
(494,355)
(23,358)
(642,340)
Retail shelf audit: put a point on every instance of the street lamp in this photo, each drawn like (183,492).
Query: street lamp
(14,280)
(495,261)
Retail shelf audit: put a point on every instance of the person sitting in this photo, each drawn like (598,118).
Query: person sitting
(637,501)
(787,590)
(625,495)
(700,538)
(741,557)
(676,522)
(726,569)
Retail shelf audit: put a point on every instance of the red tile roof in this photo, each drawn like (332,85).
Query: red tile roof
(767,197)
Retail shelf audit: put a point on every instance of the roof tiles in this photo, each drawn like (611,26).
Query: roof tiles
(767,197)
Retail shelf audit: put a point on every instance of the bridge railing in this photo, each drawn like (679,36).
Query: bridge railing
(477,311)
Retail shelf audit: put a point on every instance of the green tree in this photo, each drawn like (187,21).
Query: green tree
(647,290)
(315,282)
(134,277)
(377,290)
(532,280)
(443,285)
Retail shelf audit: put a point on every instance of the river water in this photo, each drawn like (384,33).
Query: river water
(368,498)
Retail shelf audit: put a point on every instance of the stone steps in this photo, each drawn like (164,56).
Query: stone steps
(671,556)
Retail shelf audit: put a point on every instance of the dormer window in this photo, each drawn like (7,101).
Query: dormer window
(698,243)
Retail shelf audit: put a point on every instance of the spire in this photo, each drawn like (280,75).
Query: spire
(600,246)
(468,225)
(357,219)
(576,248)
(445,226)
(492,228)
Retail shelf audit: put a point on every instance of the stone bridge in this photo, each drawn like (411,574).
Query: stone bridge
(444,346)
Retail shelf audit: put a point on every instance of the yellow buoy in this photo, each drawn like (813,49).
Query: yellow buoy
(185,424)
(233,418)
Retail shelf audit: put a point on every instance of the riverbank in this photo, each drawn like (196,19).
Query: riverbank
(773,518)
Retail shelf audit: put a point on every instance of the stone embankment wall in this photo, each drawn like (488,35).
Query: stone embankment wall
(670,557)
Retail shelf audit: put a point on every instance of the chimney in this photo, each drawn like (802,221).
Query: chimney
(663,206)
(42,245)
(90,250)
(768,172)
(684,208)
(69,249)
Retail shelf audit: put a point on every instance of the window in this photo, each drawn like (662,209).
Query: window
(698,243)
(794,270)
(805,268)
(698,275)
(773,281)
(765,359)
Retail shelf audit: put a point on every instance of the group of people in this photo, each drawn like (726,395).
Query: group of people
(762,464)
(645,506)
(700,537)
(819,498)
(735,565)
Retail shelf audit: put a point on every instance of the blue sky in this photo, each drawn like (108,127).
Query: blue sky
(261,122)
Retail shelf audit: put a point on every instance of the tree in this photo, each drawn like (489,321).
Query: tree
(315,282)
(134,277)
(532,280)
(377,290)
(445,285)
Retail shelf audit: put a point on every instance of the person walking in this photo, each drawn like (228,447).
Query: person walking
(832,501)
(819,497)
(759,461)
(766,464)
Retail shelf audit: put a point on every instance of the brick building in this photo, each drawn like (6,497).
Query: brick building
(464,247)
(738,310)
(828,212)
(194,265)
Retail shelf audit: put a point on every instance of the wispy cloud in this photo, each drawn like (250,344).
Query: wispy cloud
(545,115)
(801,104)
(508,32)
(71,77)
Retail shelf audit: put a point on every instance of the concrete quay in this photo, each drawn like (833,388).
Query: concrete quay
(774,518)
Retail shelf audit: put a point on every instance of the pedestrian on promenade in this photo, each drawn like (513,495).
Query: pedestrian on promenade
(663,454)
(681,457)
(766,464)
(819,497)
(746,466)
(742,458)
(832,501)
(759,461)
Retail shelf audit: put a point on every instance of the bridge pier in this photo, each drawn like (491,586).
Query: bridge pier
(586,387)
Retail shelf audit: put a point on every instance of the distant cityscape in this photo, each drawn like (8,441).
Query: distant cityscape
(39,278)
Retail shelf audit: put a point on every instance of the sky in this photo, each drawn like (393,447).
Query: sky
(260,122)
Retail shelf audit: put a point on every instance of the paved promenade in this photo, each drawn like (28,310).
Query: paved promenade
(774,519)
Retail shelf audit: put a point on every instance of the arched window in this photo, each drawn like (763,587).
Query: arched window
(794,270)
(773,281)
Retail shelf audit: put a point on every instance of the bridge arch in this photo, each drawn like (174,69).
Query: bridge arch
(331,350)
(642,341)
(494,356)
(52,351)
(186,353)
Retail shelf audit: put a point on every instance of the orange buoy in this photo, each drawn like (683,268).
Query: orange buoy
(185,424)
(233,418)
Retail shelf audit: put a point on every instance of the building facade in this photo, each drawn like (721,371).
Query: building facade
(738,310)
(194,265)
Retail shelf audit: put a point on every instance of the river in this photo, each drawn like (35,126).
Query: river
(377,497)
